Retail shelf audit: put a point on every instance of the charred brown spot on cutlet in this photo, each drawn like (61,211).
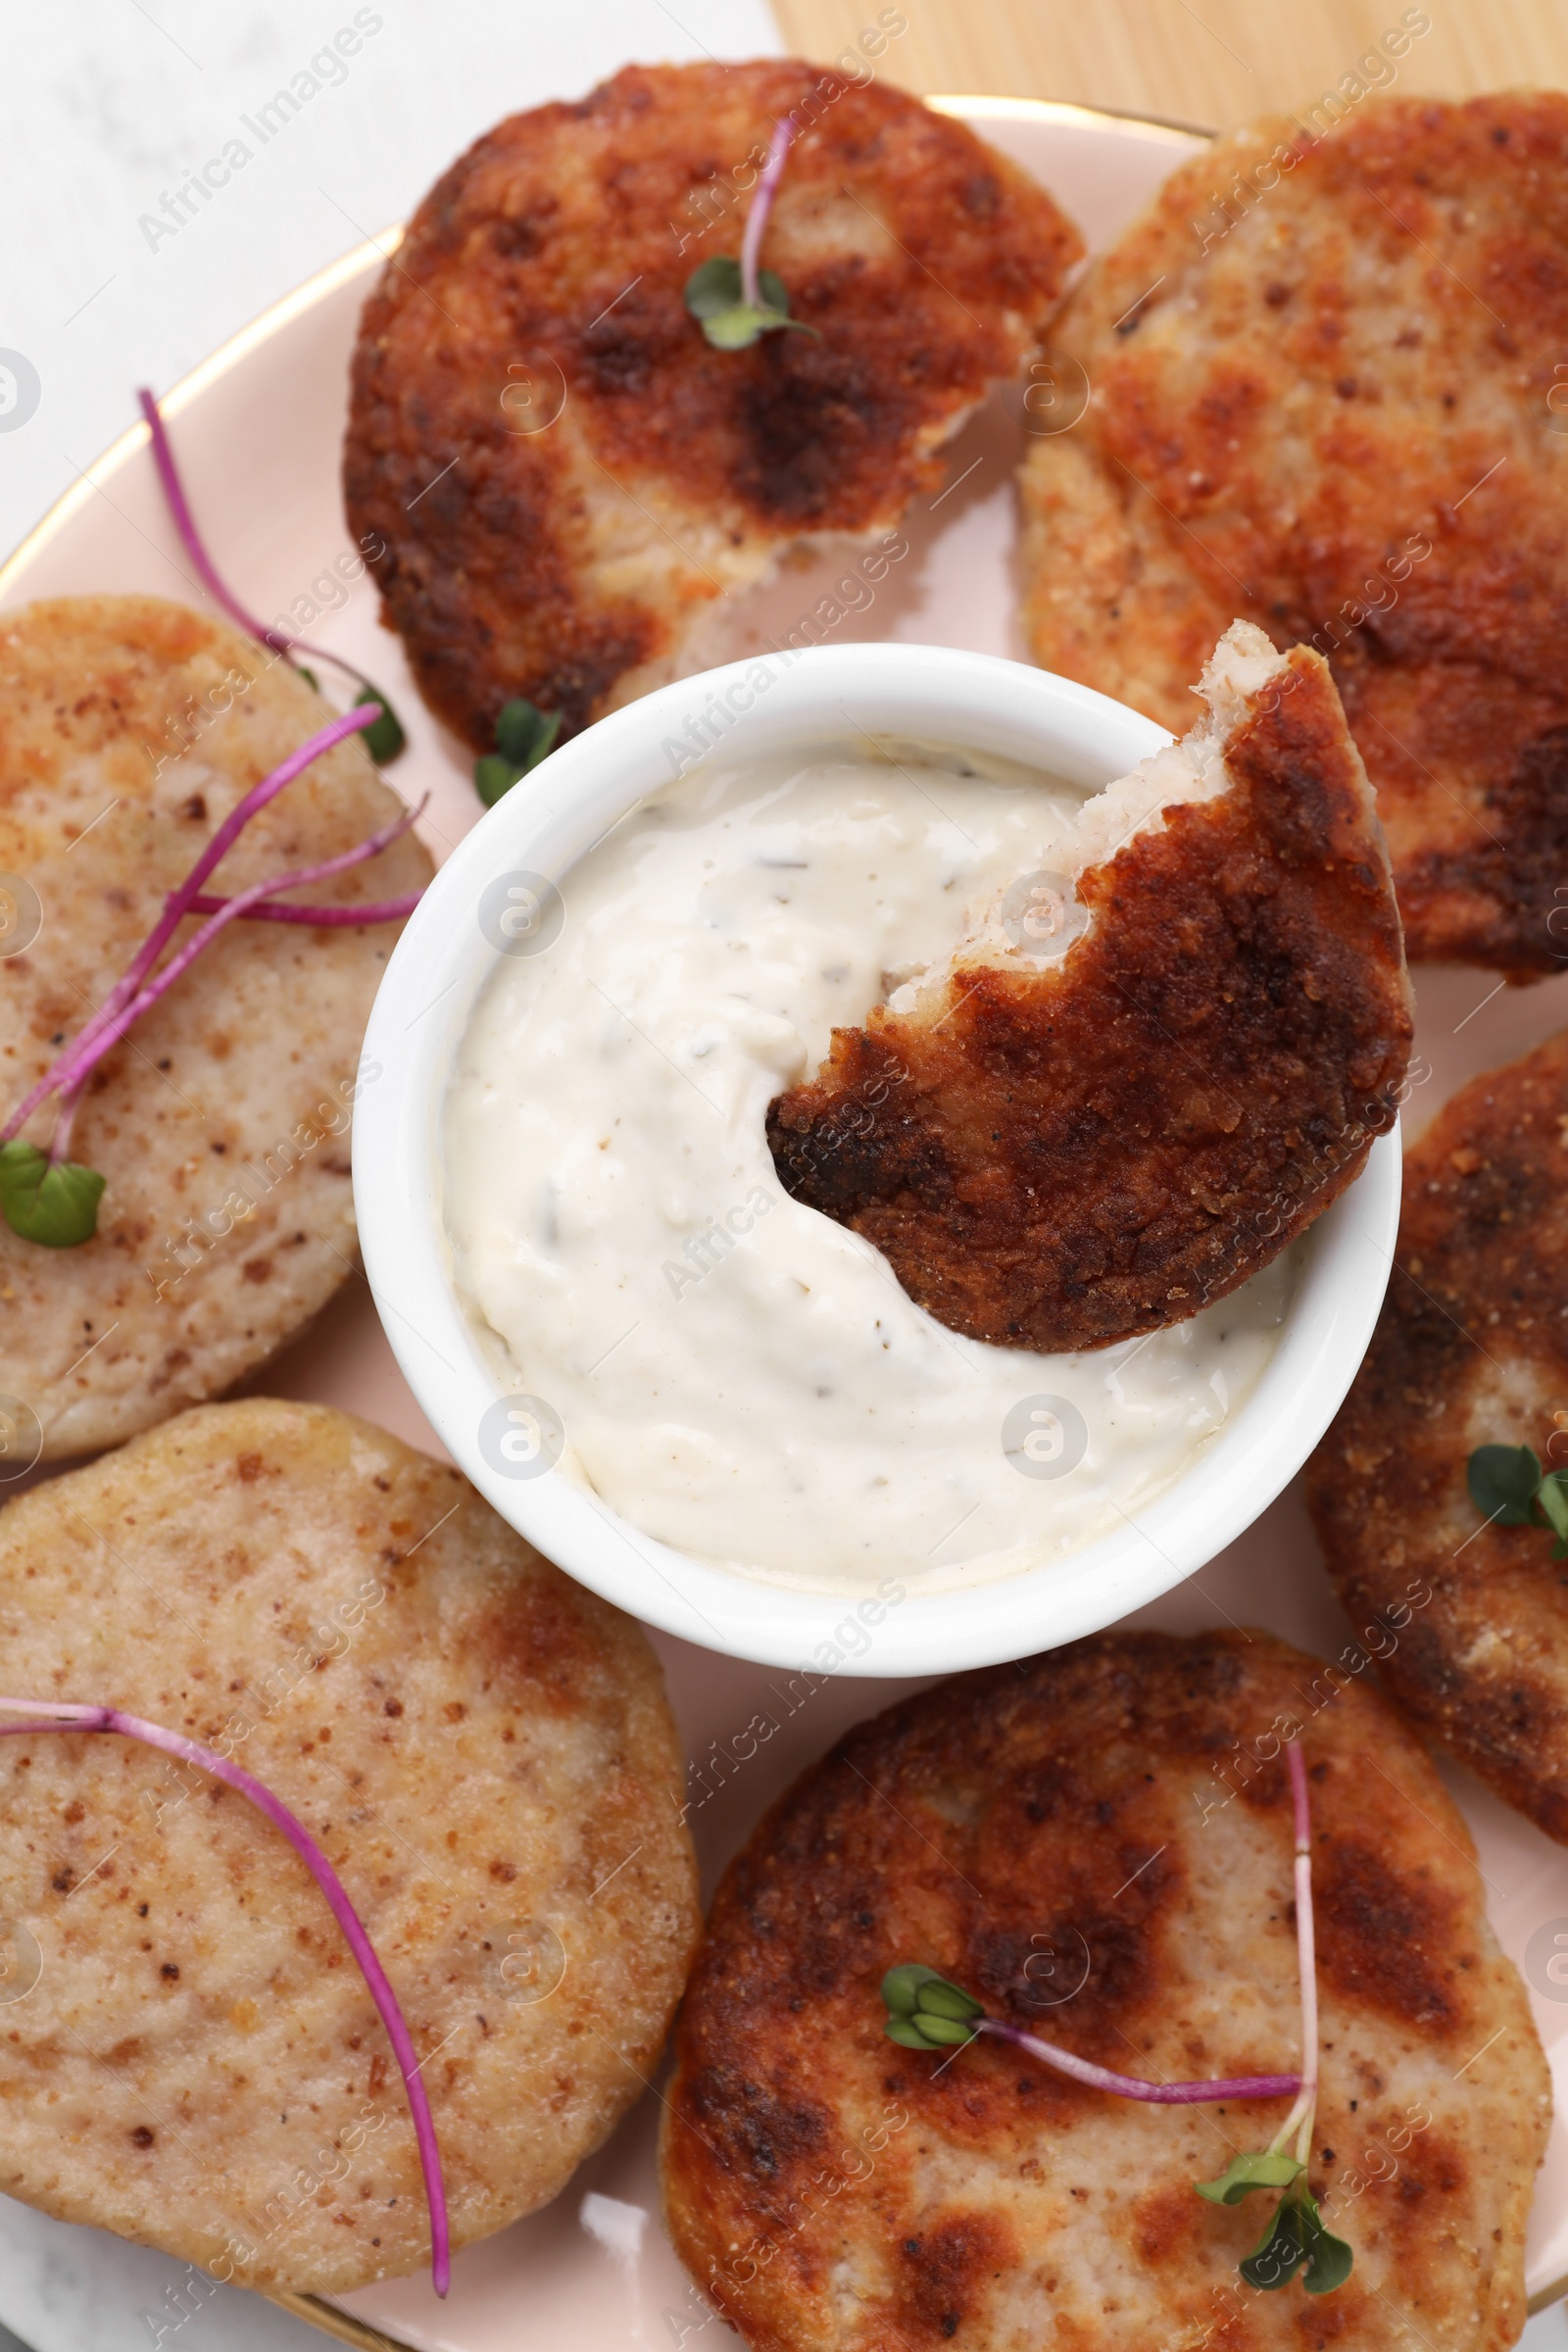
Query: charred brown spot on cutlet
(1379,1933)
(945,2274)
(1496,897)
(1471,1349)
(1063,1158)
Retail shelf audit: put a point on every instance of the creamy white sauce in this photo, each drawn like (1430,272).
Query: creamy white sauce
(735,1373)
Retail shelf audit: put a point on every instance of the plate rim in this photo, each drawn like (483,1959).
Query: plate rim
(991,106)
(218,364)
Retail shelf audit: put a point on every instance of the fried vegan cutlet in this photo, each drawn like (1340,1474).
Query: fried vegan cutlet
(1061,1153)
(482,1747)
(1323,380)
(1471,1350)
(128,730)
(568,478)
(1098,1845)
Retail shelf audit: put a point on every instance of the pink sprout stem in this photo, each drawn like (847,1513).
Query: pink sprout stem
(1301,2118)
(82,1058)
(320,918)
(761,204)
(60,1141)
(185,525)
(1132,2086)
(281,640)
(45,1716)
(111,1013)
(270,910)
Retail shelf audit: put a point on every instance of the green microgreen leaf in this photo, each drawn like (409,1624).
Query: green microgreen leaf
(714,295)
(927,2012)
(1296,2240)
(714,286)
(1259,2168)
(900,1987)
(942,2032)
(524,735)
(939,1998)
(1502,1483)
(1506,1484)
(903,2030)
(1551,1502)
(494,776)
(385,739)
(1329,2263)
(736,330)
(55,1203)
(1281,2250)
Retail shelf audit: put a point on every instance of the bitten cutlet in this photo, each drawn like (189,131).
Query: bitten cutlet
(1098,1845)
(1325,382)
(1471,1350)
(569,480)
(1061,1150)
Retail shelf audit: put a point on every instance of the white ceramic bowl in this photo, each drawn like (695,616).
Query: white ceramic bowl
(970,701)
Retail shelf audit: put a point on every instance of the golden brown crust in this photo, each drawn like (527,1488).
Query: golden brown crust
(1326,400)
(129,728)
(1070,1155)
(1471,1350)
(484,1751)
(1115,1818)
(568,563)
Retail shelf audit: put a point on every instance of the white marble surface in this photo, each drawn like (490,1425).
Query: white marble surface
(66,2290)
(108,106)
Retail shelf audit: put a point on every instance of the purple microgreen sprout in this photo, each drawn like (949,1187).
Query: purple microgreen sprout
(47,1716)
(50,1199)
(384,738)
(757,211)
(1507,1485)
(1296,2238)
(926,2011)
(1253,2168)
(736,301)
(319,918)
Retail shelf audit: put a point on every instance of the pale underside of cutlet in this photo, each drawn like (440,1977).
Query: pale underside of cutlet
(484,1754)
(129,728)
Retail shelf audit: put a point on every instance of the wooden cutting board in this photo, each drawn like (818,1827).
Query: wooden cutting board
(1210,64)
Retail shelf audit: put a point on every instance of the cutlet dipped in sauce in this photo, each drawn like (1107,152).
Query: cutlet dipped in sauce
(738,1373)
